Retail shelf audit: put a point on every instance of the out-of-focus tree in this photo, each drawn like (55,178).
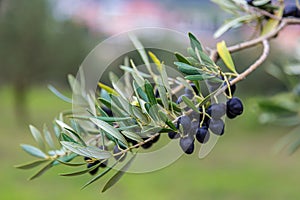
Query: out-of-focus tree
(35,47)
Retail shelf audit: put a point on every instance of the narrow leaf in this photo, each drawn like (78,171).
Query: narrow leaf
(150,93)
(182,59)
(171,125)
(136,75)
(37,136)
(41,171)
(122,103)
(118,175)
(58,94)
(74,84)
(56,130)
(203,77)
(139,47)
(106,119)
(70,164)
(48,137)
(194,42)
(155,60)
(165,80)
(31,164)
(77,173)
(65,159)
(33,151)
(118,85)
(149,130)
(108,89)
(100,175)
(89,151)
(115,109)
(65,137)
(140,115)
(232,23)
(206,60)
(130,70)
(163,94)
(188,69)
(124,128)
(189,103)
(70,130)
(225,55)
(173,104)
(139,91)
(132,136)
(109,129)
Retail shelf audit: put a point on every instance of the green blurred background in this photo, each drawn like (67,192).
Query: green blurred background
(42,41)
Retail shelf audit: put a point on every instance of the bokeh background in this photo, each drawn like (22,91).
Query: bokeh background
(41,41)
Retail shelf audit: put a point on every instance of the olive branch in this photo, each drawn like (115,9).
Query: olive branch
(132,113)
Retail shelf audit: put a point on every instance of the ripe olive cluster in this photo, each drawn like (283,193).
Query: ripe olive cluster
(190,126)
(209,120)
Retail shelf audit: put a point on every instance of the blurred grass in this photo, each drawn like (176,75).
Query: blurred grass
(241,166)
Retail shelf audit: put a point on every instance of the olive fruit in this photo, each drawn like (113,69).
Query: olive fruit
(179,100)
(173,135)
(216,110)
(188,92)
(185,122)
(216,126)
(234,107)
(94,171)
(291,11)
(156,138)
(107,111)
(194,127)
(202,134)
(187,144)
(147,145)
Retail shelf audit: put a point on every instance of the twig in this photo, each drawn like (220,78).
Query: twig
(265,13)
(136,145)
(177,89)
(284,22)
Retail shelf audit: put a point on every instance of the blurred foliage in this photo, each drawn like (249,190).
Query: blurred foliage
(35,47)
(284,107)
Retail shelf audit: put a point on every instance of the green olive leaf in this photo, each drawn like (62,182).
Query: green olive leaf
(225,55)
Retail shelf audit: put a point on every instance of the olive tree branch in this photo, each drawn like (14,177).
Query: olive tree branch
(250,43)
